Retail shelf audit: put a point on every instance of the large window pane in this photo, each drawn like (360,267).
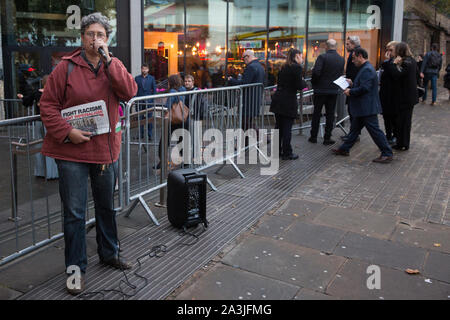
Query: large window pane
(364,21)
(163,36)
(205,42)
(287,30)
(326,21)
(51,23)
(247,30)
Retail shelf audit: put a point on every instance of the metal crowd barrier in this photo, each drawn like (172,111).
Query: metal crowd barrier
(146,133)
(211,111)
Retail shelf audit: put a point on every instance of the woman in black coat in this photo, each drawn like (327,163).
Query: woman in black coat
(388,94)
(284,101)
(404,73)
(447,80)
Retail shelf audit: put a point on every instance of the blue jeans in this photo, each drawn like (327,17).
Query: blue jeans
(371,124)
(73,189)
(433,78)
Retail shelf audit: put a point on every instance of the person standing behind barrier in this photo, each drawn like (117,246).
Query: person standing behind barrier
(175,84)
(44,166)
(404,72)
(252,97)
(351,70)
(431,65)
(329,66)
(146,87)
(364,104)
(284,102)
(447,80)
(389,94)
(81,156)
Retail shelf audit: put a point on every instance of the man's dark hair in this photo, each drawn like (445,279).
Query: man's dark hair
(361,52)
(145,65)
(434,46)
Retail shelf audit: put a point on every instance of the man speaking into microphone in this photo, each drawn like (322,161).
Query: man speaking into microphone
(89,74)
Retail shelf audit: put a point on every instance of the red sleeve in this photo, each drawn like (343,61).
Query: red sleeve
(122,81)
(52,101)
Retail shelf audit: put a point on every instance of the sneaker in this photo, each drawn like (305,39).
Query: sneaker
(75,291)
(328,142)
(118,263)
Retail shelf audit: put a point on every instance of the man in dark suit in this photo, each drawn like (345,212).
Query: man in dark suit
(328,67)
(364,105)
(146,86)
(252,96)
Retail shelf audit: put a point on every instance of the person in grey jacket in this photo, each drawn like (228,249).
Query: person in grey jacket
(432,64)
(328,67)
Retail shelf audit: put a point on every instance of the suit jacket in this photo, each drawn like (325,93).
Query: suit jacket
(290,80)
(328,67)
(364,98)
(406,78)
(146,86)
(252,97)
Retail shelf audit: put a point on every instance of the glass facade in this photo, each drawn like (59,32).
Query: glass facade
(37,33)
(206,38)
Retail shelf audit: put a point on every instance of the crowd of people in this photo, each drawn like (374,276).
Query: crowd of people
(91,73)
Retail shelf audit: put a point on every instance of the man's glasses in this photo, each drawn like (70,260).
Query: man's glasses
(99,35)
(243,58)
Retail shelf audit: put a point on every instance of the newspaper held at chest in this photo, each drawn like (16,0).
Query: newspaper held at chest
(91,117)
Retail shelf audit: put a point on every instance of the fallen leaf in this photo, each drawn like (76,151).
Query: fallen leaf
(437,244)
(412,271)
(295,215)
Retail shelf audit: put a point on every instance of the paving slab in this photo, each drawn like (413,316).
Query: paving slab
(381,252)
(313,236)
(227,283)
(8,294)
(284,261)
(34,270)
(437,266)
(274,226)
(300,208)
(358,221)
(351,284)
(425,235)
(307,294)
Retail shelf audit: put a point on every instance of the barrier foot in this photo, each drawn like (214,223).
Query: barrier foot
(211,184)
(149,212)
(236,168)
(133,205)
(262,154)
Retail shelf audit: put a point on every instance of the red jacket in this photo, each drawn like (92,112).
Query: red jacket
(83,86)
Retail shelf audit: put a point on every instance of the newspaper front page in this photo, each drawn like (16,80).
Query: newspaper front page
(91,117)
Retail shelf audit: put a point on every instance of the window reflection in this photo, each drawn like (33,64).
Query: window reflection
(51,23)
(326,21)
(287,30)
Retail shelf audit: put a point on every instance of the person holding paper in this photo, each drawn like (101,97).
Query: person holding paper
(364,104)
(85,76)
(329,66)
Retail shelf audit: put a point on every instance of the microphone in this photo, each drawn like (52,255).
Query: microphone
(102,52)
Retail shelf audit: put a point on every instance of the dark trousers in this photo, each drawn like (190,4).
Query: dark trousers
(389,125)
(173,127)
(73,189)
(403,123)
(284,125)
(329,100)
(371,124)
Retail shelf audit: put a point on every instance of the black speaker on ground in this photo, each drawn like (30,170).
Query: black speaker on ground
(186,198)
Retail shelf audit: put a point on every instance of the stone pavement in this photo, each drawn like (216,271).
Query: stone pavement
(318,241)
(351,214)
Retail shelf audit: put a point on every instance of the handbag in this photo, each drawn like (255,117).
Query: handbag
(178,113)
